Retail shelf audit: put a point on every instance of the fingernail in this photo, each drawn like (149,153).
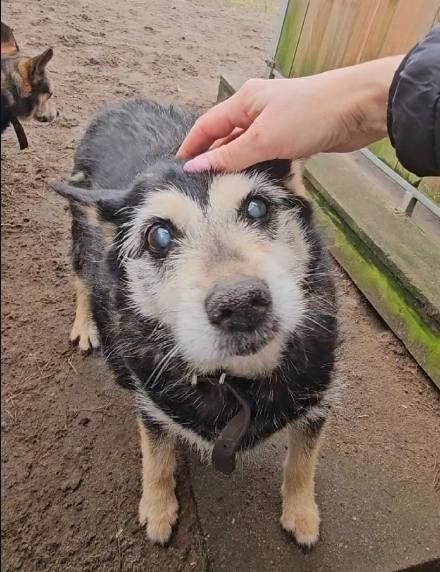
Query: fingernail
(197,164)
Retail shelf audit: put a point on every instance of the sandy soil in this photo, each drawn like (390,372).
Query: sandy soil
(70,456)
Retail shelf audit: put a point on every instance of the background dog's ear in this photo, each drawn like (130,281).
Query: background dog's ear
(99,205)
(40,62)
(24,68)
(9,46)
(31,70)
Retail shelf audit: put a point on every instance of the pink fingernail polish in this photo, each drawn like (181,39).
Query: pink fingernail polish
(197,164)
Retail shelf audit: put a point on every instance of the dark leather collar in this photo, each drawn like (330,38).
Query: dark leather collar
(231,436)
(228,442)
(19,132)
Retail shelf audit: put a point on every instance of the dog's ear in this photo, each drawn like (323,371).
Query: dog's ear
(9,46)
(24,68)
(288,173)
(99,205)
(277,169)
(31,71)
(40,62)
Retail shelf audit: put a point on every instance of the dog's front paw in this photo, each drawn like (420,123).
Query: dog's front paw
(160,519)
(302,521)
(85,334)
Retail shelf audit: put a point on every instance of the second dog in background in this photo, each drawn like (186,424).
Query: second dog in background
(25,91)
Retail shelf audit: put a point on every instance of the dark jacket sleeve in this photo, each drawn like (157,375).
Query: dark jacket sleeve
(414,108)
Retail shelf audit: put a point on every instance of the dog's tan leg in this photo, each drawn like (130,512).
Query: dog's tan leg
(158,506)
(300,514)
(84,329)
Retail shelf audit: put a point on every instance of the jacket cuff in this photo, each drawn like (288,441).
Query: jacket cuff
(413,114)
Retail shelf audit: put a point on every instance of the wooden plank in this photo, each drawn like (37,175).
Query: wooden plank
(387,256)
(290,35)
(338,34)
(411,21)
(318,13)
(334,34)
(411,253)
(380,287)
(360,31)
(325,34)
(379,27)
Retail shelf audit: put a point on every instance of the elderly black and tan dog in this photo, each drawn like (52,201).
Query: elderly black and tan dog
(25,88)
(212,299)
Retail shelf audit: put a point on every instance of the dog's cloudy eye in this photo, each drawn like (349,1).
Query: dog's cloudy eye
(159,238)
(256,208)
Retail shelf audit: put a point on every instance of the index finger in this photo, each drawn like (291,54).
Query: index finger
(216,123)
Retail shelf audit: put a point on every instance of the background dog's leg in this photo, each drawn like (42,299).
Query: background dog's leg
(158,506)
(300,514)
(84,328)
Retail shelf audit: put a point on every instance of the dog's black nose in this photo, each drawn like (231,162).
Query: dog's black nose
(239,305)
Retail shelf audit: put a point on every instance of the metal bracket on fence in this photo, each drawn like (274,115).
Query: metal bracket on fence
(270,63)
(408,204)
(411,194)
(272,72)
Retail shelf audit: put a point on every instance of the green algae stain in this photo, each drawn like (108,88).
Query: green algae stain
(391,300)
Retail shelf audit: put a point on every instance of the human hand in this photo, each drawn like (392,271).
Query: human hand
(335,111)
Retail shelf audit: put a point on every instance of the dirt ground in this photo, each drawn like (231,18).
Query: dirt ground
(70,454)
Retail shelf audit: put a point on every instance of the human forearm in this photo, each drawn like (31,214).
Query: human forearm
(338,110)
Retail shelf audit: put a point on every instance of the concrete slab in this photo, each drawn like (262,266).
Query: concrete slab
(370,522)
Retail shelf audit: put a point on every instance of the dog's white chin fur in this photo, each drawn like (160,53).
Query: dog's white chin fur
(257,364)
(202,346)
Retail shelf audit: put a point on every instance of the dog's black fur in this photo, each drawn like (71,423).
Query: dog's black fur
(130,149)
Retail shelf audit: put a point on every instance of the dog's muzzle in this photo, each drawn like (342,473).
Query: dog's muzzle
(239,306)
(240,310)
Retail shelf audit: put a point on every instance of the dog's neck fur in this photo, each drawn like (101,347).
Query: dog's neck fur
(7,112)
(11,103)
(10,96)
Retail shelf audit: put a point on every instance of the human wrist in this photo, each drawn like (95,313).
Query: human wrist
(360,101)
(375,80)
